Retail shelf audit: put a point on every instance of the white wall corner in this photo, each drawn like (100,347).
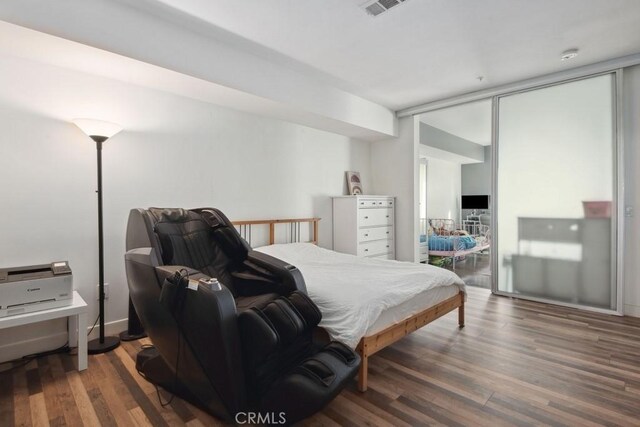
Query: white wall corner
(632,310)
(394,169)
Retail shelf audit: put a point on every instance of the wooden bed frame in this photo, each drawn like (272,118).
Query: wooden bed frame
(369,345)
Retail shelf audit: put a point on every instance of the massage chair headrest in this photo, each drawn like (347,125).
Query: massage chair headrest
(225,234)
(162,225)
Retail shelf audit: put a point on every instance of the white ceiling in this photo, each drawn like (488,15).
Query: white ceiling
(324,63)
(470,121)
(425,50)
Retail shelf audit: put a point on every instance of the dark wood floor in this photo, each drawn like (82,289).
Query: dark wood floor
(515,363)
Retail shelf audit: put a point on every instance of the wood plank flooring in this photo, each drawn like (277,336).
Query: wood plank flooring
(515,363)
(476,273)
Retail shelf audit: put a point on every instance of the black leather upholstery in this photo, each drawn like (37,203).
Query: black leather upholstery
(275,336)
(245,346)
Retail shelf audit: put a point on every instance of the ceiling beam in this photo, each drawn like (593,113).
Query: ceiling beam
(250,82)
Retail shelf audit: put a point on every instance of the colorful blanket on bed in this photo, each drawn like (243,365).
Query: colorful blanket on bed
(451,243)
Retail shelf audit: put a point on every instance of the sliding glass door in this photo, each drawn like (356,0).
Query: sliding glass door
(555,228)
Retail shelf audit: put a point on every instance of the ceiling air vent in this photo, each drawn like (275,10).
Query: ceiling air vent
(377,7)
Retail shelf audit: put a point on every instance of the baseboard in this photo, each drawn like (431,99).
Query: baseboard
(16,350)
(110,328)
(19,348)
(632,310)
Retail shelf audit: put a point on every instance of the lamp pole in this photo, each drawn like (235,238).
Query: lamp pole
(99,141)
(102,344)
(99,132)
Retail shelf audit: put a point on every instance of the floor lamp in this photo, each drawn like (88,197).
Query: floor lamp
(100,131)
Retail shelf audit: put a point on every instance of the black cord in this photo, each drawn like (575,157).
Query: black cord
(25,360)
(141,373)
(175,379)
(18,366)
(94,325)
(180,275)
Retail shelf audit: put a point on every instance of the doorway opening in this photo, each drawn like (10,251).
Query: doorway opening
(455,190)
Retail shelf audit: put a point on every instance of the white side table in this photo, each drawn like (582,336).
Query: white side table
(77,314)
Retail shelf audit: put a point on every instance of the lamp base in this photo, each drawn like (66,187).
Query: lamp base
(126,336)
(97,347)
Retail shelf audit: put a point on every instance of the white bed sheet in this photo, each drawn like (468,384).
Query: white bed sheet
(353,292)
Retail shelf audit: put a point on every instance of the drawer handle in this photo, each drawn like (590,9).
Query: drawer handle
(366,235)
(387,245)
(387,216)
(366,217)
(366,250)
(379,203)
(362,203)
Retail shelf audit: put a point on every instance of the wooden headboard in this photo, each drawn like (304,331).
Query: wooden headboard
(295,231)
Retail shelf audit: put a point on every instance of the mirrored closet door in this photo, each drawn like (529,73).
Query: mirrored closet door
(556,222)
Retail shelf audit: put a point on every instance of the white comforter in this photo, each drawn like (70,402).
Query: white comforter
(351,291)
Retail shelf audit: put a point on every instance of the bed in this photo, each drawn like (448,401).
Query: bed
(345,288)
(444,240)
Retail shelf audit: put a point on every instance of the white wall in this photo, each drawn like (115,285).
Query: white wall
(443,189)
(422,190)
(395,172)
(476,177)
(173,152)
(631,126)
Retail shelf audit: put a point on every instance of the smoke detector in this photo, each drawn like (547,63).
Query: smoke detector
(378,7)
(569,54)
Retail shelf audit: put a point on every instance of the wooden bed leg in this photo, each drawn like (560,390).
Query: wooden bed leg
(371,344)
(362,373)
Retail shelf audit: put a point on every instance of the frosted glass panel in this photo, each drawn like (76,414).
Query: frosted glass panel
(556,193)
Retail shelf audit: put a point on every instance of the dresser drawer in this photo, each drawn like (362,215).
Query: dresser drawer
(383,256)
(376,233)
(374,203)
(375,217)
(377,247)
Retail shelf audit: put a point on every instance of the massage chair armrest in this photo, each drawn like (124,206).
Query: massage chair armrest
(165,271)
(291,277)
(144,255)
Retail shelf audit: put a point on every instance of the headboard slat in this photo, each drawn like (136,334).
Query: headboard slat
(244,227)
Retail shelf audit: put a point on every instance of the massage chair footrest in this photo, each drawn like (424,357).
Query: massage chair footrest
(313,383)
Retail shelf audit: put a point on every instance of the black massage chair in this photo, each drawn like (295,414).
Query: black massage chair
(245,346)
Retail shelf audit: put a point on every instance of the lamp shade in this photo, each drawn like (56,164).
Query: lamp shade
(97,128)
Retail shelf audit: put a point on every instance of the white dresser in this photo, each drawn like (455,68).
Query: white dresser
(364,226)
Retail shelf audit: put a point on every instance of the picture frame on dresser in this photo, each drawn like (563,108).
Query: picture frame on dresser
(354,184)
(364,225)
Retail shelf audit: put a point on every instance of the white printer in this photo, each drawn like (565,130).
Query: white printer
(35,287)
